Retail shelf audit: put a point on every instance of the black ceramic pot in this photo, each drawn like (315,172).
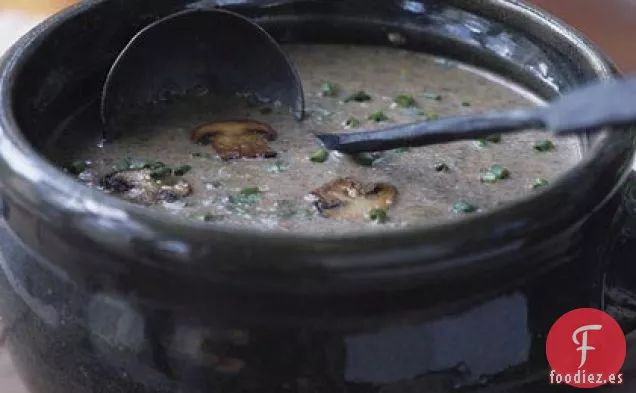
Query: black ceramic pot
(105,297)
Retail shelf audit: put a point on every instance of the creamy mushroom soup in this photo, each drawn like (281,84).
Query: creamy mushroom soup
(255,166)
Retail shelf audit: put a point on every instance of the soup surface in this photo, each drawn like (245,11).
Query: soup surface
(195,160)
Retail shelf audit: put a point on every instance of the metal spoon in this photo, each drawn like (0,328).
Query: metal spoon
(210,50)
(609,103)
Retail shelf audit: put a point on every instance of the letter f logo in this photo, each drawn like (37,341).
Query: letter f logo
(583,344)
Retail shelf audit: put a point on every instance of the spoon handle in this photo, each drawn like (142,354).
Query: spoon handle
(439,131)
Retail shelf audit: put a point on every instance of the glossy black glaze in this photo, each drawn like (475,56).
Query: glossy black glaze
(104,296)
(65,337)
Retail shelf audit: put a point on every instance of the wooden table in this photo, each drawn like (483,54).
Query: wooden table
(610,23)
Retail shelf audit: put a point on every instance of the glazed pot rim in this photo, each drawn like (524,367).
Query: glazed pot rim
(60,193)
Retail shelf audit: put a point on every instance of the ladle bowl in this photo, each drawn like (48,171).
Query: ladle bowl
(193,52)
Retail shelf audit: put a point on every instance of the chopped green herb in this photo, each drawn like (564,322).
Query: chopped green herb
(121,165)
(138,163)
(247,196)
(368,159)
(500,171)
(441,167)
(378,117)
(76,167)
(208,217)
(266,110)
(488,177)
(428,115)
(374,158)
(404,100)
(466,103)
(493,138)
(250,191)
(279,166)
(494,174)
(160,173)
(329,89)
(244,199)
(182,170)
(378,215)
(539,183)
(157,165)
(319,156)
(543,145)
(432,96)
(463,207)
(196,154)
(358,96)
(352,122)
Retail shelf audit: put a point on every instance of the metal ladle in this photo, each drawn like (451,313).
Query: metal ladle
(210,50)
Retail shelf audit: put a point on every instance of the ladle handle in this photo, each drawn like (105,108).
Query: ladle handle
(439,131)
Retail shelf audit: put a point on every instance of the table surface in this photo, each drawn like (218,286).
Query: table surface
(609,23)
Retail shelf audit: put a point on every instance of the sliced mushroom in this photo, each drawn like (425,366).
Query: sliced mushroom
(237,138)
(348,199)
(139,186)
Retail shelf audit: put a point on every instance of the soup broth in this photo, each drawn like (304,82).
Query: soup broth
(226,167)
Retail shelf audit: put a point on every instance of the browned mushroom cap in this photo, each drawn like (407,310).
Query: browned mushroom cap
(348,199)
(237,138)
